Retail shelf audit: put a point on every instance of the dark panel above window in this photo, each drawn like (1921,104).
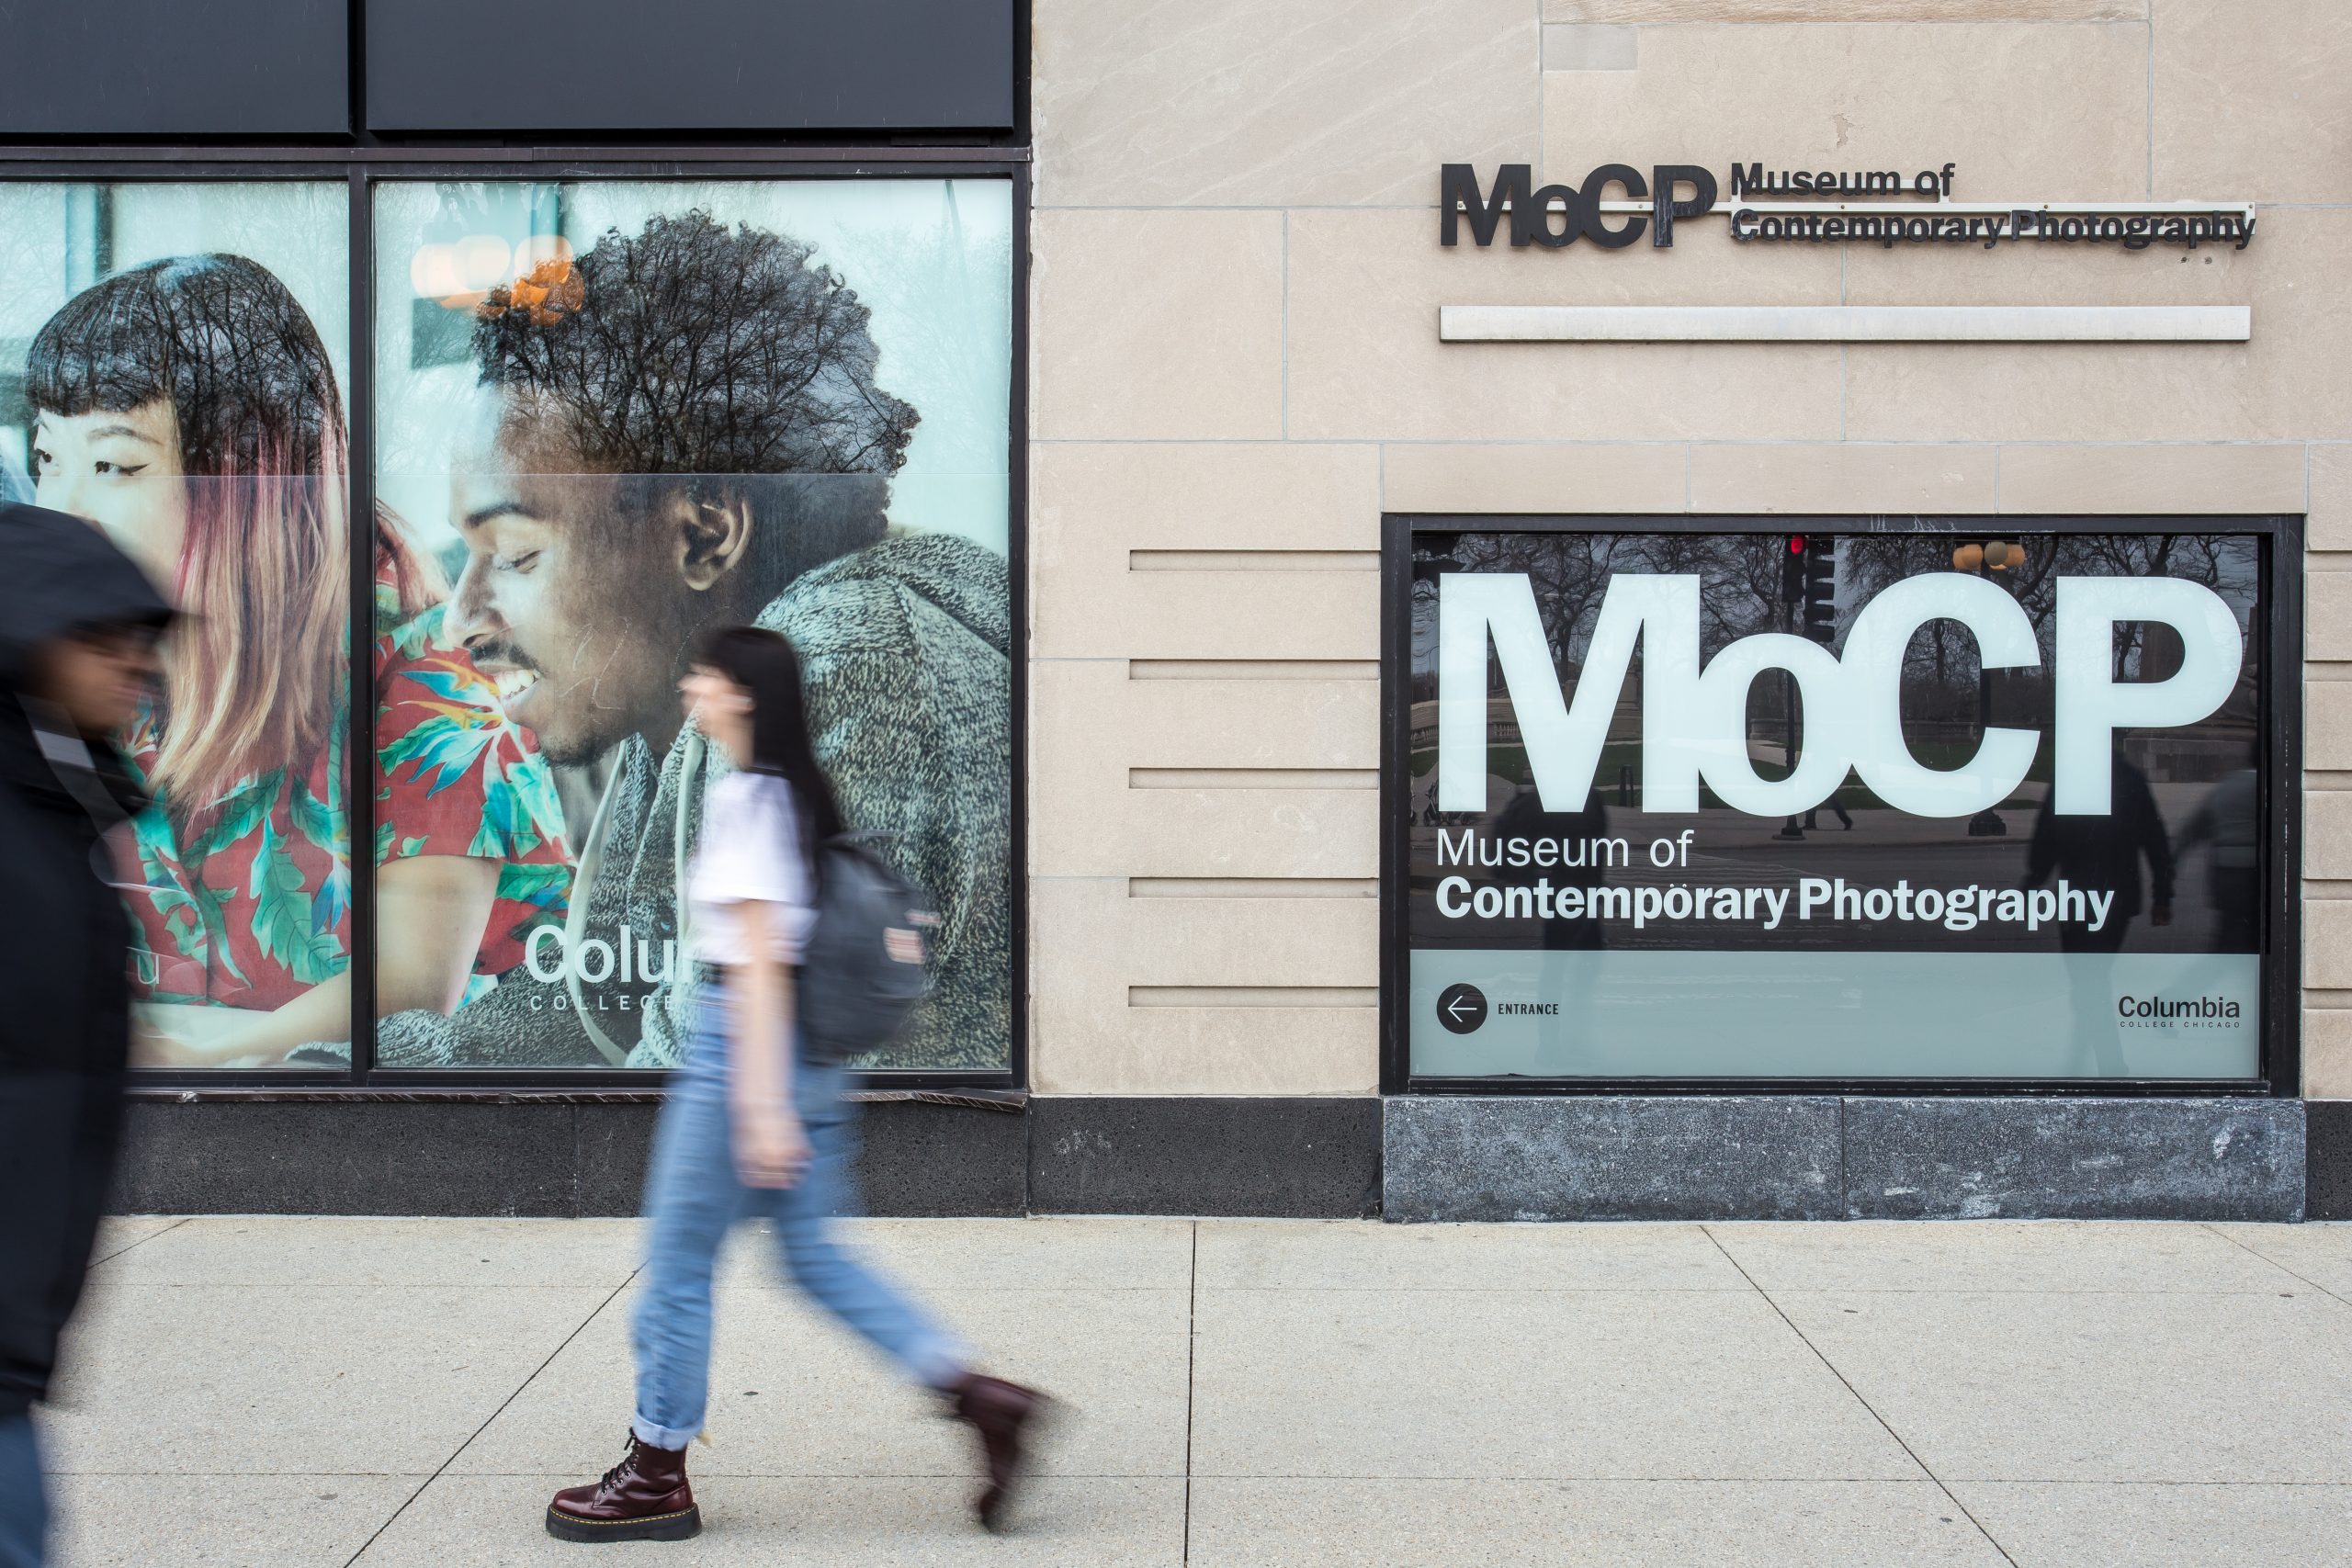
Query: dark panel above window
(107,68)
(524,66)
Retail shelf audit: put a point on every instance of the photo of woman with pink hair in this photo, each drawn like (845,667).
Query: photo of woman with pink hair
(189,407)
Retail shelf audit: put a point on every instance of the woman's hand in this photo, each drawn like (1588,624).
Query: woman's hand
(770,1150)
(430,912)
(190,1034)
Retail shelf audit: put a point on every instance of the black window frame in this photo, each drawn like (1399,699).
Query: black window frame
(362,168)
(2278,644)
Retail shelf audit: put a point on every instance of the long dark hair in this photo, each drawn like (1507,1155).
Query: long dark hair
(766,665)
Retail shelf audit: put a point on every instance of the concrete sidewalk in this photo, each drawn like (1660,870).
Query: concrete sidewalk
(259,1392)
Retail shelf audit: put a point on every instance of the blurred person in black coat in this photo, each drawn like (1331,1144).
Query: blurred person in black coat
(78,627)
(2102,853)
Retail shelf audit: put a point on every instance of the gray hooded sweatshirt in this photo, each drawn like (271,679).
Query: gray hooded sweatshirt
(906,649)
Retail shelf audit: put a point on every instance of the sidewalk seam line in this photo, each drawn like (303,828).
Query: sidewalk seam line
(577,1329)
(143,1241)
(1192,1343)
(2255,1252)
(1708,1232)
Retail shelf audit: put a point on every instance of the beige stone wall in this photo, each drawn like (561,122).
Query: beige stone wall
(1236,368)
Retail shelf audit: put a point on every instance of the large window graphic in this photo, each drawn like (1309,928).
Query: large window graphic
(1835,805)
(171,359)
(612,416)
(607,417)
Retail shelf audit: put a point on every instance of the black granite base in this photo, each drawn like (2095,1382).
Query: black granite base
(1436,1158)
(1858,1157)
(525,1155)
(2051,1159)
(1300,1157)
(2327,1154)
(1614,1157)
(350,1157)
(554,1156)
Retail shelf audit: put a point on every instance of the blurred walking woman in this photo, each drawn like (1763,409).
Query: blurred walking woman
(752,1127)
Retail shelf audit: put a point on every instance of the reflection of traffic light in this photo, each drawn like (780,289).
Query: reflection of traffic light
(1819,555)
(1792,569)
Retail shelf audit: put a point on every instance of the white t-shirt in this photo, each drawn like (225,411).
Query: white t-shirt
(749,851)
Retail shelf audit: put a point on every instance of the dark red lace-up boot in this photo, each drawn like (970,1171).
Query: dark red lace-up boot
(644,1497)
(1005,1416)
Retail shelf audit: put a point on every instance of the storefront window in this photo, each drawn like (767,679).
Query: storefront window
(610,417)
(171,363)
(1831,803)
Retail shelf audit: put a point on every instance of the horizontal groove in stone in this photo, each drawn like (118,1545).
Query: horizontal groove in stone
(1253,778)
(1271,670)
(1253,996)
(1254,887)
(2319,998)
(1728,12)
(1845,323)
(1253,560)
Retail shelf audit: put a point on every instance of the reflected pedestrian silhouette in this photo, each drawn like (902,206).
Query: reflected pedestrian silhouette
(1525,817)
(2103,853)
(2229,820)
(1837,805)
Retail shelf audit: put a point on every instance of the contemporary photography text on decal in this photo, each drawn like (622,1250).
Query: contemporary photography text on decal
(1815,897)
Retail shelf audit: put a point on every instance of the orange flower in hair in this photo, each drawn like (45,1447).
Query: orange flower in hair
(551,291)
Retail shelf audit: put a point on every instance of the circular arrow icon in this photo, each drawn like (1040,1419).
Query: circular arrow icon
(1462,1007)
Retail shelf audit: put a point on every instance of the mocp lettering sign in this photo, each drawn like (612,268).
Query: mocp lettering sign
(1812,206)
(1694,721)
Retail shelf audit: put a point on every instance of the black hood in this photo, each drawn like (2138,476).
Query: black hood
(58,573)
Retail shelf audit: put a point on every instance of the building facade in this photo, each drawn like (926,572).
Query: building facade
(1218,704)
(1403,450)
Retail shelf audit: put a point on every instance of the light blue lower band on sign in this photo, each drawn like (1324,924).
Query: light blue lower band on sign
(1841,1015)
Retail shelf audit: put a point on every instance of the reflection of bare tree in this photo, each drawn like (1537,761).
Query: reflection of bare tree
(698,349)
(1742,574)
(1869,562)
(1569,573)
(951,283)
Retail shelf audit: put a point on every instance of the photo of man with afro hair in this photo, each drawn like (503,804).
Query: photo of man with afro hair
(683,429)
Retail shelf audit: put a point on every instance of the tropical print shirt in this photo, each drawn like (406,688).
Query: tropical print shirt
(247,903)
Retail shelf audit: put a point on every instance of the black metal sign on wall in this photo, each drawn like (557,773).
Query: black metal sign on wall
(1881,207)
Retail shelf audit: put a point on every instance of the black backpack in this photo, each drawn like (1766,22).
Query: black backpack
(868,960)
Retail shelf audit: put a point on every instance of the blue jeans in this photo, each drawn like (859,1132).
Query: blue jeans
(692,1198)
(24,1506)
